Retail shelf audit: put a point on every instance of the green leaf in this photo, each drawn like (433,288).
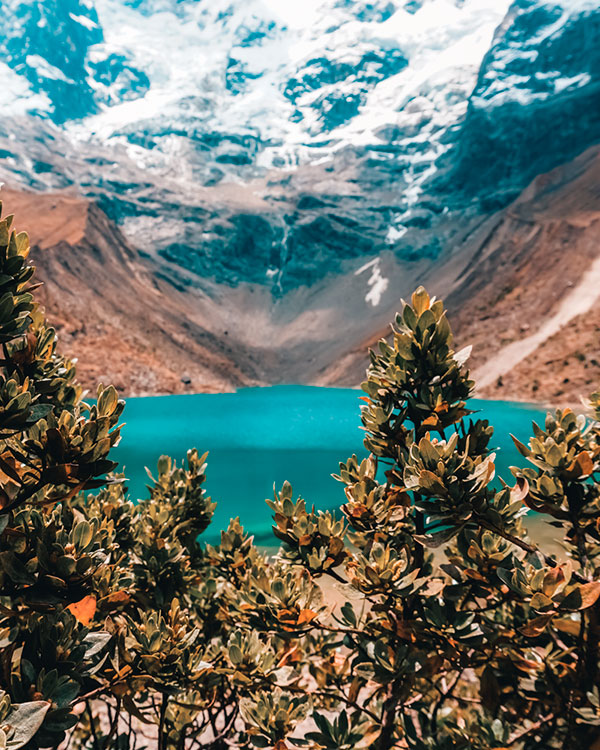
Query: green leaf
(65,693)
(426,319)
(235,654)
(24,721)
(82,535)
(349,614)
(409,317)
(540,601)
(22,242)
(438,537)
(523,449)
(95,642)
(404,347)
(15,569)
(107,401)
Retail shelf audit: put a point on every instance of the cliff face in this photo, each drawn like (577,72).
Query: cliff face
(247,142)
(536,101)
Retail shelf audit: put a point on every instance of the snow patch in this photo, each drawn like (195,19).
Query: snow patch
(186,50)
(44,69)
(394,233)
(18,96)
(366,266)
(377,282)
(84,21)
(264,75)
(560,84)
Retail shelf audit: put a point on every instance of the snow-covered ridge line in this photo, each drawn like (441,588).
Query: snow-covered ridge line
(268,140)
(287,74)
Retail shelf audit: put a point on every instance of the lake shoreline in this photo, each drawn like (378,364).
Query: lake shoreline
(541,405)
(257,438)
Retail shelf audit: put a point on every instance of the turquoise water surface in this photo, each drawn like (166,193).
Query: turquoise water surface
(260,436)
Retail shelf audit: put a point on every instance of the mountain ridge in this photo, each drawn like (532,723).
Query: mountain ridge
(121,321)
(509,281)
(435,121)
(502,284)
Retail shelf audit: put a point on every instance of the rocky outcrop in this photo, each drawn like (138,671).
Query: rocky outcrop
(536,101)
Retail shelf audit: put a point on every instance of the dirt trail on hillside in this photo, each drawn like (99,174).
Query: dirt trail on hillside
(578,301)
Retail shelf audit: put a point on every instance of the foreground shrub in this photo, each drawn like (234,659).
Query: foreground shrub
(120,629)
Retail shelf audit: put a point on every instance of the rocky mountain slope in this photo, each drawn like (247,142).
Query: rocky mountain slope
(259,142)
(545,261)
(524,290)
(129,322)
(260,182)
(523,287)
(123,323)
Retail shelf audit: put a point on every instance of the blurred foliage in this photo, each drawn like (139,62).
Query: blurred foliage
(419,616)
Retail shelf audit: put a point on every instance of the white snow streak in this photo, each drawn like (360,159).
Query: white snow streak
(377,282)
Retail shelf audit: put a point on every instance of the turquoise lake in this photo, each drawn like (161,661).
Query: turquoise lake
(260,436)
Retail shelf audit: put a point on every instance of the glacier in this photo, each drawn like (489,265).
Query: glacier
(272,142)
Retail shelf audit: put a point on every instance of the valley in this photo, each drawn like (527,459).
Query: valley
(252,212)
(505,283)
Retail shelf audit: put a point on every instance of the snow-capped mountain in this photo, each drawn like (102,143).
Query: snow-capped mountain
(277,142)
(536,102)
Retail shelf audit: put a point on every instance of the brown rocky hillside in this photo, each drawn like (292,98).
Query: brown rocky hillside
(530,303)
(122,321)
(524,289)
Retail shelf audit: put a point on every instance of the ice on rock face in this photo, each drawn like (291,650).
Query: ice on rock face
(355,124)
(303,78)
(525,63)
(89,23)
(46,44)
(265,84)
(535,103)
(18,95)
